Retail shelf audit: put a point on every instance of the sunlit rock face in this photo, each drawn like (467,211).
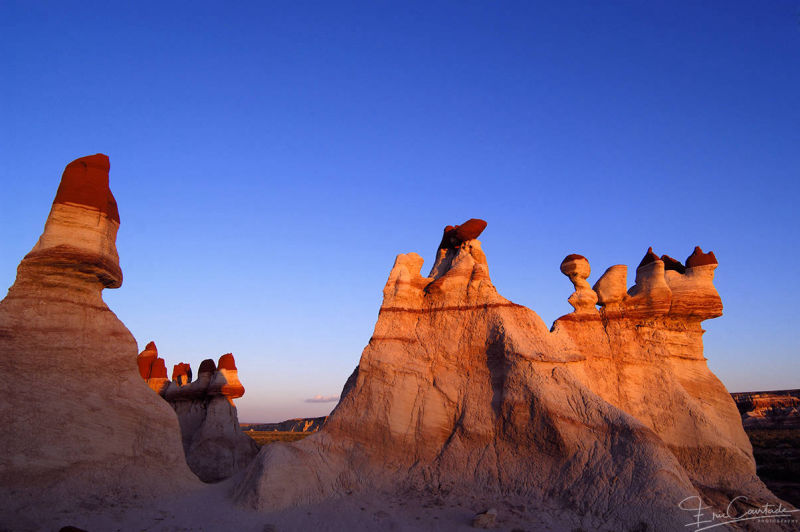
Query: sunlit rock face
(213,441)
(152,368)
(612,416)
(643,354)
(80,428)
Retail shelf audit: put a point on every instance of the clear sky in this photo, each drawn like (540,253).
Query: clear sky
(270,159)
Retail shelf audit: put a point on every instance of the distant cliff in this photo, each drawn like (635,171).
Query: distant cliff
(308,424)
(768,410)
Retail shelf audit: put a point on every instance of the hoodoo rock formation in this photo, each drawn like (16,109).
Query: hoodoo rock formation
(610,419)
(213,441)
(82,428)
(152,368)
(181,373)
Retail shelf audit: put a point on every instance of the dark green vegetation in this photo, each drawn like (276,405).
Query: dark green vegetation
(264,437)
(777,453)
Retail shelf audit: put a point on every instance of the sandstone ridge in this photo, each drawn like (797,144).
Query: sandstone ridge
(610,417)
(78,436)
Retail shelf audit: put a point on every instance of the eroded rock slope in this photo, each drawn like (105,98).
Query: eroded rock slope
(612,416)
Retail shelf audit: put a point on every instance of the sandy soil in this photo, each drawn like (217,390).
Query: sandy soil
(208,509)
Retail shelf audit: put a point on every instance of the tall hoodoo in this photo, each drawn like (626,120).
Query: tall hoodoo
(152,368)
(115,438)
(609,418)
(81,230)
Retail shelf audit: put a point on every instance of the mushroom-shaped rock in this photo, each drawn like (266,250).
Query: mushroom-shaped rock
(470,229)
(191,391)
(612,287)
(455,242)
(454,236)
(213,441)
(226,380)
(182,373)
(576,267)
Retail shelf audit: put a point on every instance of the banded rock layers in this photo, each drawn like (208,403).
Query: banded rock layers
(89,431)
(778,409)
(612,417)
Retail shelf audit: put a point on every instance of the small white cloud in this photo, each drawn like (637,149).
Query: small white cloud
(323,399)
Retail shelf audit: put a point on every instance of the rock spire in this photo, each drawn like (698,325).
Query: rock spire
(84,428)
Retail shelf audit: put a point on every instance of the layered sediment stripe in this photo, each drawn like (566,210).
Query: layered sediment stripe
(458,308)
(81,229)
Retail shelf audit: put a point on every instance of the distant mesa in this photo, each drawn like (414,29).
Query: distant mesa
(213,442)
(308,424)
(779,409)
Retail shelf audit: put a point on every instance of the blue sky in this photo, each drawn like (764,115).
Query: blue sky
(270,159)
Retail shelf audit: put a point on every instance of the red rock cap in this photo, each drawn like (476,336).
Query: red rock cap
(673,264)
(226,362)
(470,229)
(207,366)
(159,369)
(571,257)
(648,258)
(182,373)
(698,258)
(145,360)
(85,182)
(454,236)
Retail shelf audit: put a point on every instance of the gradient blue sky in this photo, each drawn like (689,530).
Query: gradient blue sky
(270,159)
